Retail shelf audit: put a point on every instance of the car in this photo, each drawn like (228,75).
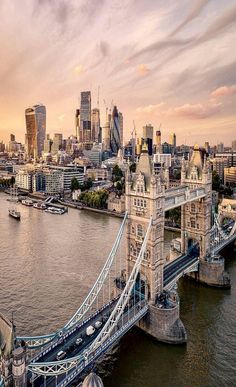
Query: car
(78,341)
(98,324)
(90,330)
(61,355)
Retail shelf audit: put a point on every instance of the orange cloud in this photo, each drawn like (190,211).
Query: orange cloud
(224,91)
(195,111)
(150,108)
(143,69)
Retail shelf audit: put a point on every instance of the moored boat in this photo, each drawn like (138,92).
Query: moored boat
(27,202)
(40,206)
(15,214)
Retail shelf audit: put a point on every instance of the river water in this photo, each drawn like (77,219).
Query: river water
(47,265)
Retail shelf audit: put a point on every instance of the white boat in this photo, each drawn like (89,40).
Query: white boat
(55,210)
(15,214)
(27,202)
(12,209)
(40,206)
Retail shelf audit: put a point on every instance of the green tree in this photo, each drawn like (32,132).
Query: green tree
(117,173)
(215,181)
(74,184)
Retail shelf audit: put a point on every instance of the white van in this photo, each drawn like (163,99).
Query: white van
(61,355)
(90,330)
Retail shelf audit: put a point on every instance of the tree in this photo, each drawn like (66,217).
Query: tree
(117,173)
(74,184)
(215,181)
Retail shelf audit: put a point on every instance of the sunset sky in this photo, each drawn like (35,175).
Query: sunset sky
(169,62)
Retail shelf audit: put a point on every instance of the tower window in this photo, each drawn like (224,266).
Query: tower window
(139,230)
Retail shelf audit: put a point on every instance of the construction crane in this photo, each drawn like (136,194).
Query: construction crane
(98,96)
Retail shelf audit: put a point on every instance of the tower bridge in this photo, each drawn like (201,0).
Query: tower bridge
(144,294)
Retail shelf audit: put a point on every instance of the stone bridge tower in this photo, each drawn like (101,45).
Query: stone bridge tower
(145,198)
(196,216)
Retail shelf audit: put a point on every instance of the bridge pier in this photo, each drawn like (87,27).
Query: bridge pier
(163,322)
(212,273)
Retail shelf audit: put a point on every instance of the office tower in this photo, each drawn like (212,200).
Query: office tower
(234,146)
(85,117)
(95,123)
(220,147)
(106,134)
(115,130)
(57,143)
(148,137)
(158,138)
(12,137)
(77,123)
(47,144)
(35,118)
(172,140)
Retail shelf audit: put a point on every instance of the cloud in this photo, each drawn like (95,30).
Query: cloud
(142,69)
(223,91)
(193,14)
(150,108)
(79,69)
(195,111)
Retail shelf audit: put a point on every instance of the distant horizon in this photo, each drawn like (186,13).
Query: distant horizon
(166,63)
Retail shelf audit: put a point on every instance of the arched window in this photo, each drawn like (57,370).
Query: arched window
(139,230)
(132,229)
(193,207)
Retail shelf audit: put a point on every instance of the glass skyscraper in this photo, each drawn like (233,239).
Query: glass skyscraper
(35,118)
(116,131)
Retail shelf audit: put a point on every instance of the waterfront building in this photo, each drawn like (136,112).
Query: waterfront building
(35,118)
(116,131)
(24,179)
(85,117)
(116,203)
(68,172)
(95,123)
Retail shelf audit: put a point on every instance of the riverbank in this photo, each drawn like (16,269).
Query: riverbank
(106,212)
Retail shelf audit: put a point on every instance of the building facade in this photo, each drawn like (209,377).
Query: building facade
(85,117)
(35,118)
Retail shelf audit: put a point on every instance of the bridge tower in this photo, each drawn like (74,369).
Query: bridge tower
(196,220)
(196,216)
(145,198)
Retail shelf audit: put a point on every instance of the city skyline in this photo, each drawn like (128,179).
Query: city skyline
(173,64)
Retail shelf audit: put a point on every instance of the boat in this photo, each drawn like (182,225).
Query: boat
(27,202)
(55,210)
(12,209)
(15,214)
(40,206)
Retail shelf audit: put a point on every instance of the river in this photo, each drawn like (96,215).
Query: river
(45,272)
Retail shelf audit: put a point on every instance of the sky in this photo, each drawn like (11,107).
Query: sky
(168,63)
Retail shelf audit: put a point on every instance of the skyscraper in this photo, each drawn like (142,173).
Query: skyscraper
(35,118)
(115,130)
(234,146)
(158,138)
(77,123)
(95,124)
(85,117)
(172,140)
(148,137)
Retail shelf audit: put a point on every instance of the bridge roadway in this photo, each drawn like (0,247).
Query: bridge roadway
(67,344)
(135,308)
(176,267)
